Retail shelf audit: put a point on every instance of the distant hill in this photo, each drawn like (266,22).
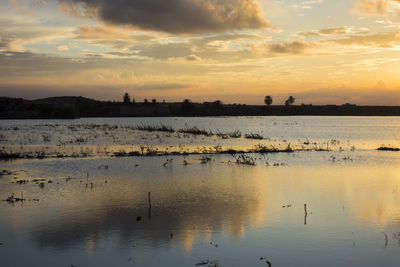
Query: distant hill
(52,107)
(64,100)
(69,107)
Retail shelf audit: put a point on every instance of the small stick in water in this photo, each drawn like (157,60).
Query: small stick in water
(386,239)
(149,199)
(305,214)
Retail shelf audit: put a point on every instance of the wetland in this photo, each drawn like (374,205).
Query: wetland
(212,191)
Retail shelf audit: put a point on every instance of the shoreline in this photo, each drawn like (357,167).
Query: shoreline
(79,107)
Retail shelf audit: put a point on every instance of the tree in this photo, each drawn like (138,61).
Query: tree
(146,101)
(290,101)
(187,105)
(127,98)
(268,100)
(217,104)
(154,101)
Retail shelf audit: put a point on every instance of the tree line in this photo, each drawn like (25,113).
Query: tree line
(267,100)
(288,102)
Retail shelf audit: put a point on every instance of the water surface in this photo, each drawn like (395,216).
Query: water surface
(96,210)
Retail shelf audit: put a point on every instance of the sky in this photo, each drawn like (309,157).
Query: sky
(236,51)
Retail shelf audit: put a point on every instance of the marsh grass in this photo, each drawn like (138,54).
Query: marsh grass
(190,130)
(254,136)
(145,150)
(260,148)
(82,143)
(245,160)
(196,131)
(234,134)
(156,128)
(5,172)
(205,158)
(13,199)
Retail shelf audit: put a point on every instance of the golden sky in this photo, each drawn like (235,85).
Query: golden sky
(238,51)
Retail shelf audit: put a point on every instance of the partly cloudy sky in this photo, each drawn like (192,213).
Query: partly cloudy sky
(237,51)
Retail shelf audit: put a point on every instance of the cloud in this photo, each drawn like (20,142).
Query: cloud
(377,40)
(190,58)
(164,51)
(173,16)
(127,43)
(99,92)
(161,86)
(374,7)
(306,4)
(334,31)
(63,48)
(16,35)
(375,95)
(357,44)
(380,40)
(324,32)
(293,47)
(100,32)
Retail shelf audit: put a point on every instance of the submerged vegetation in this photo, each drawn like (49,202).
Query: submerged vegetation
(5,172)
(196,177)
(260,148)
(82,140)
(149,150)
(195,131)
(245,160)
(255,136)
(13,199)
(158,128)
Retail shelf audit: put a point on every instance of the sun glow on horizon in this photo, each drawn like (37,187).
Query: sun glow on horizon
(202,51)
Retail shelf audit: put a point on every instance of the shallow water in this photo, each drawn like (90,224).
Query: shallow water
(217,211)
(366,132)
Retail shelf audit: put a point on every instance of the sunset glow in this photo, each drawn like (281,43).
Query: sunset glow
(238,51)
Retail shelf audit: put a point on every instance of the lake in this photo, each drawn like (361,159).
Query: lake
(332,200)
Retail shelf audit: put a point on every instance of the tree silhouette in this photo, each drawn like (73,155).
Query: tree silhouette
(268,100)
(154,101)
(187,105)
(126,98)
(217,104)
(290,101)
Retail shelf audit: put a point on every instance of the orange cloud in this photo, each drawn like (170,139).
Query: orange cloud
(373,7)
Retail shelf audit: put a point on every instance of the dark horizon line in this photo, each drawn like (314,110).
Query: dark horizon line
(204,102)
(80,107)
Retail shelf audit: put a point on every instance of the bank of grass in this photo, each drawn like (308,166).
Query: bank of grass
(150,150)
(388,148)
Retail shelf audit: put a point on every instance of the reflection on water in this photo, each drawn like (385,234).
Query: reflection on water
(329,208)
(179,207)
(218,211)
